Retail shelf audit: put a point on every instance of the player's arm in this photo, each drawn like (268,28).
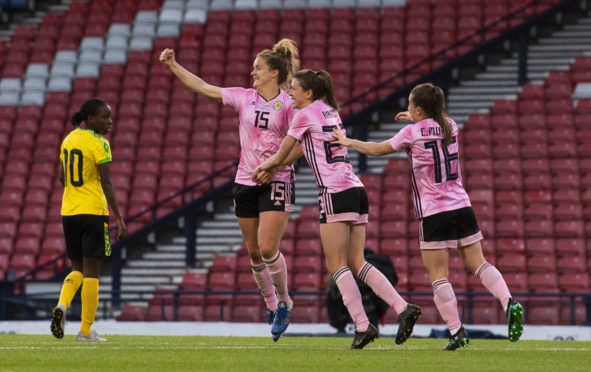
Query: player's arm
(295,154)
(278,159)
(191,81)
(61,174)
(369,148)
(105,173)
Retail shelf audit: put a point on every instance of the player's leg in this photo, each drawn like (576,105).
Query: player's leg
(437,234)
(408,314)
(247,212)
(272,225)
(73,280)
(275,202)
(436,263)
(493,281)
(335,242)
(249,228)
(95,246)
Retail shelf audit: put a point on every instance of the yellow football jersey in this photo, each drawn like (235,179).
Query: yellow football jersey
(81,153)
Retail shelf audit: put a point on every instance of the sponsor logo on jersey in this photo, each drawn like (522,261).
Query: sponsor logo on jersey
(264,105)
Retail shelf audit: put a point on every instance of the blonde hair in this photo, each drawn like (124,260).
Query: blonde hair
(284,58)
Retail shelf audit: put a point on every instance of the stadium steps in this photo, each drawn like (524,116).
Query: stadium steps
(556,52)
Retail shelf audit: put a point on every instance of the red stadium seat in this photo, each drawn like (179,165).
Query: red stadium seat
(542,281)
(539,246)
(541,263)
(308,263)
(510,228)
(132,313)
(569,229)
(307,281)
(570,246)
(308,228)
(53,245)
(507,246)
(511,263)
(574,282)
(223,262)
(308,247)
(538,211)
(193,280)
(393,247)
(22,263)
(220,280)
(509,211)
(543,314)
(517,282)
(419,281)
(573,264)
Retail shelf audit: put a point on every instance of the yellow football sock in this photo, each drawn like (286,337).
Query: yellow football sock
(70,287)
(89,294)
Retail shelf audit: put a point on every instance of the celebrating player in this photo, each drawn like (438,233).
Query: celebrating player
(442,206)
(344,205)
(262,210)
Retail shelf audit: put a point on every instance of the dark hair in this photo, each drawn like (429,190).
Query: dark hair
(87,109)
(284,58)
(320,83)
(430,98)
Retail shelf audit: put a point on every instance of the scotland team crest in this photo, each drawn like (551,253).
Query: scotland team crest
(277,106)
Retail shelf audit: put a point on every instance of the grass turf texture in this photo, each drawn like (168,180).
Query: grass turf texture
(175,353)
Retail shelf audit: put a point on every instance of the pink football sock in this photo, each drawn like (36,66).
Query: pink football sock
(278,270)
(494,282)
(381,286)
(445,300)
(351,297)
(263,280)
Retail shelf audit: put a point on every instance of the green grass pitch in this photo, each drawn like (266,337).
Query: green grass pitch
(182,353)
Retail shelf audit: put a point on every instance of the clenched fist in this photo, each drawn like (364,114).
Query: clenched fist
(167,57)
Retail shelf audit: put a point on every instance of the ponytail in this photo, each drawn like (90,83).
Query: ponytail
(431,99)
(87,109)
(77,119)
(320,83)
(329,97)
(284,58)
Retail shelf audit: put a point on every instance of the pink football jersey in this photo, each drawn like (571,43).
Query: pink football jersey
(436,180)
(313,127)
(263,125)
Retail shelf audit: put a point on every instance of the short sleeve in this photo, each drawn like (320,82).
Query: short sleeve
(233,97)
(102,151)
(299,125)
(403,139)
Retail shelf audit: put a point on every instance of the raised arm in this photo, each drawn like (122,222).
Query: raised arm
(105,173)
(369,148)
(191,81)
